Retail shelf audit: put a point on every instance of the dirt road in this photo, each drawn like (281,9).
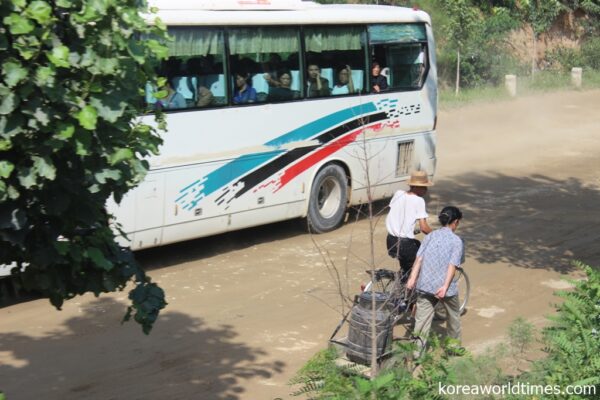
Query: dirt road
(247,309)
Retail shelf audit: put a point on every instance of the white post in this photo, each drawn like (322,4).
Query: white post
(576,76)
(510,81)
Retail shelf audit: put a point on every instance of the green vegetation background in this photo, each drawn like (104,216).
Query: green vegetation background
(483,30)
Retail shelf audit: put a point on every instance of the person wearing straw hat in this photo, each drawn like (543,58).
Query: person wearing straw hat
(406,209)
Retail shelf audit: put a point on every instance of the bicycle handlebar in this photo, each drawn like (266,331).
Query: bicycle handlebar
(379,274)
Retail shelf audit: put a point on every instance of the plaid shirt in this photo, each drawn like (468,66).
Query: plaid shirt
(439,249)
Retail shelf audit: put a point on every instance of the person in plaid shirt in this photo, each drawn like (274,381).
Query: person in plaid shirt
(438,257)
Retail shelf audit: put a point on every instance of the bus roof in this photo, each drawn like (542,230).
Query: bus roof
(278,12)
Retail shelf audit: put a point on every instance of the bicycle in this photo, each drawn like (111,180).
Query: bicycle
(385,281)
(391,308)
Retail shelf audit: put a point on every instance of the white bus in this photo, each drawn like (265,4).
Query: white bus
(264,125)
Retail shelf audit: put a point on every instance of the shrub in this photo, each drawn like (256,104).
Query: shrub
(573,339)
(590,53)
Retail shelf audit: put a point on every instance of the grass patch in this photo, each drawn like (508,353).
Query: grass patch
(449,100)
(544,82)
(591,79)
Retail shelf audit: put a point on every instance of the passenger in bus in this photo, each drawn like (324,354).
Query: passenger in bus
(345,84)
(204,96)
(283,90)
(317,86)
(174,100)
(270,72)
(379,82)
(244,93)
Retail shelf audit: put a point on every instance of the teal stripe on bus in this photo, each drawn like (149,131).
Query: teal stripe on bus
(246,163)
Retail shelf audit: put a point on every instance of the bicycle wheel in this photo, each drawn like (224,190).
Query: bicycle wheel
(382,280)
(464,289)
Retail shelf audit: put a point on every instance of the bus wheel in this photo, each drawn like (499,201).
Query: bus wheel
(328,198)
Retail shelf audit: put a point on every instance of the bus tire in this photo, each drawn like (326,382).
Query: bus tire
(328,198)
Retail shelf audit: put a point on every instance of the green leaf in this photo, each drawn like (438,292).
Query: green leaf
(98,258)
(45,76)
(384,380)
(13,193)
(107,66)
(65,131)
(27,46)
(87,117)
(18,25)
(3,194)
(27,178)
(43,167)
(161,81)
(41,116)
(64,3)
(8,103)
(105,174)
(161,94)
(59,56)
(11,126)
(109,106)
(120,155)
(19,4)
(161,51)
(6,168)
(363,385)
(136,50)
(83,142)
(5,145)
(40,11)
(13,72)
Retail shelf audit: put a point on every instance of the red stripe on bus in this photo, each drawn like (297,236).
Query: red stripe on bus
(321,154)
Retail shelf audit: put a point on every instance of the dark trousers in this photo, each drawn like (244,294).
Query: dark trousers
(405,251)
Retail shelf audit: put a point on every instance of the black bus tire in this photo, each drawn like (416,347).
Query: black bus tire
(328,199)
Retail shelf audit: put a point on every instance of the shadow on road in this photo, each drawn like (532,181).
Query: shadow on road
(92,356)
(191,250)
(528,222)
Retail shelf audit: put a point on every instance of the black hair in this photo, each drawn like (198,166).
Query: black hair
(284,71)
(243,74)
(449,214)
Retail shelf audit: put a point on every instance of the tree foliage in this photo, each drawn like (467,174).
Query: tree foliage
(71,73)
(540,14)
(573,339)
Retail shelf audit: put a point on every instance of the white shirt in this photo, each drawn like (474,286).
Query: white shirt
(405,210)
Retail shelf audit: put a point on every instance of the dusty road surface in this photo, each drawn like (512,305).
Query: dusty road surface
(247,309)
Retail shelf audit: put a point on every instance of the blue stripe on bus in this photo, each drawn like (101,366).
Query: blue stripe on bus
(244,164)
(236,168)
(309,130)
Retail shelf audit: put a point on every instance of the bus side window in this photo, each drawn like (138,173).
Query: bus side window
(195,66)
(187,86)
(267,55)
(339,53)
(358,79)
(401,51)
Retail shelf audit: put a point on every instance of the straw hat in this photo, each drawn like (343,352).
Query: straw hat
(419,178)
